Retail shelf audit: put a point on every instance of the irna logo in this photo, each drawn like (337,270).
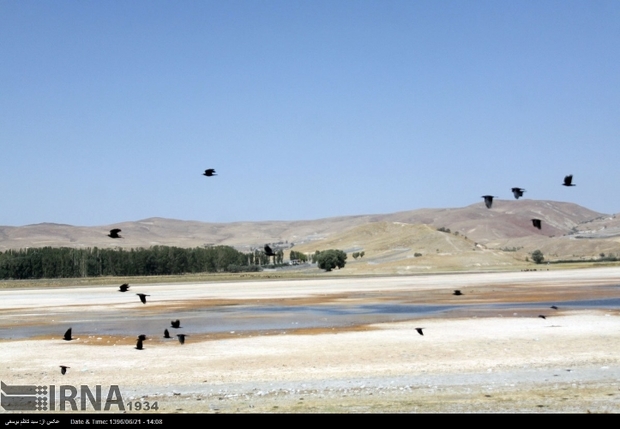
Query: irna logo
(62,398)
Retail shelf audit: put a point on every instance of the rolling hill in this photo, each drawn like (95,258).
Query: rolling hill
(477,237)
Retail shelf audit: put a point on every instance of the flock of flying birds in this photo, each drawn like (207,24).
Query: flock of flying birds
(518,192)
(176,324)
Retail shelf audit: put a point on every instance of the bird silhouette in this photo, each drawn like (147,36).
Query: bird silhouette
(268,251)
(420,331)
(488,200)
(63,369)
(182,338)
(542,317)
(457,292)
(142,337)
(142,297)
(139,344)
(554,307)
(123,288)
(209,172)
(68,335)
(166,334)
(537,223)
(568,180)
(518,192)
(114,233)
(175,324)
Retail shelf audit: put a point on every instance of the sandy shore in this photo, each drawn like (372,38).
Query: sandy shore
(497,359)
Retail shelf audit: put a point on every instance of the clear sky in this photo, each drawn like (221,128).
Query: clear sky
(111,110)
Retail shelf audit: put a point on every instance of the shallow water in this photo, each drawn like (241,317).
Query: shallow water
(250,318)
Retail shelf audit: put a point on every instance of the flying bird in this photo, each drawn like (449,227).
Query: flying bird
(542,317)
(166,334)
(537,223)
(63,369)
(142,297)
(209,172)
(68,335)
(518,192)
(123,288)
(568,180)
(419,331)
(182,338)
(114,233)
(268,251)
(139,344)
(457,292)
(175,324)
(488,200)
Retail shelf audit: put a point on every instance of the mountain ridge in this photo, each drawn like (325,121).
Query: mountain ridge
(567,230)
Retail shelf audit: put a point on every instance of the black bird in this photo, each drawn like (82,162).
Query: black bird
(68,335)
(182,338)
(419,331)
(568,180)
(518,192)
(537,223)
(166,334)
(209,172)
(175,324)
(114,233)
(123,288)
(63,369)
(488,200)
(542,317)
(457,292)
(554,307)
(142,337)
(139,344)
(268,251)
(142,297)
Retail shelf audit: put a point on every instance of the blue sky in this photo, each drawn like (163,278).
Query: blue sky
(110,111)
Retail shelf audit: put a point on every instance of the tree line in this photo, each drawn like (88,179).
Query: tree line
(51,262)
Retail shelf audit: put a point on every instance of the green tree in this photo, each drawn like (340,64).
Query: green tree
(298,256)
(537,256)
(356,255)
(330,259)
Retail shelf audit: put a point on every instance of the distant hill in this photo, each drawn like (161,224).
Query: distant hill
(501,235)
(396,247)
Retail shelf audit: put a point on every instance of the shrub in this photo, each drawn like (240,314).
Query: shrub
(537,256)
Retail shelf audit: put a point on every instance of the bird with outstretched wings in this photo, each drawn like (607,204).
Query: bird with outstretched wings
(517,192)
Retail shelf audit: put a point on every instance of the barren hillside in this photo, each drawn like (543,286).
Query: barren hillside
(500,235)
(400,248)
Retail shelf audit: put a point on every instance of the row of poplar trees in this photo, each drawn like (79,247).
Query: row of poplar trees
(50,262)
